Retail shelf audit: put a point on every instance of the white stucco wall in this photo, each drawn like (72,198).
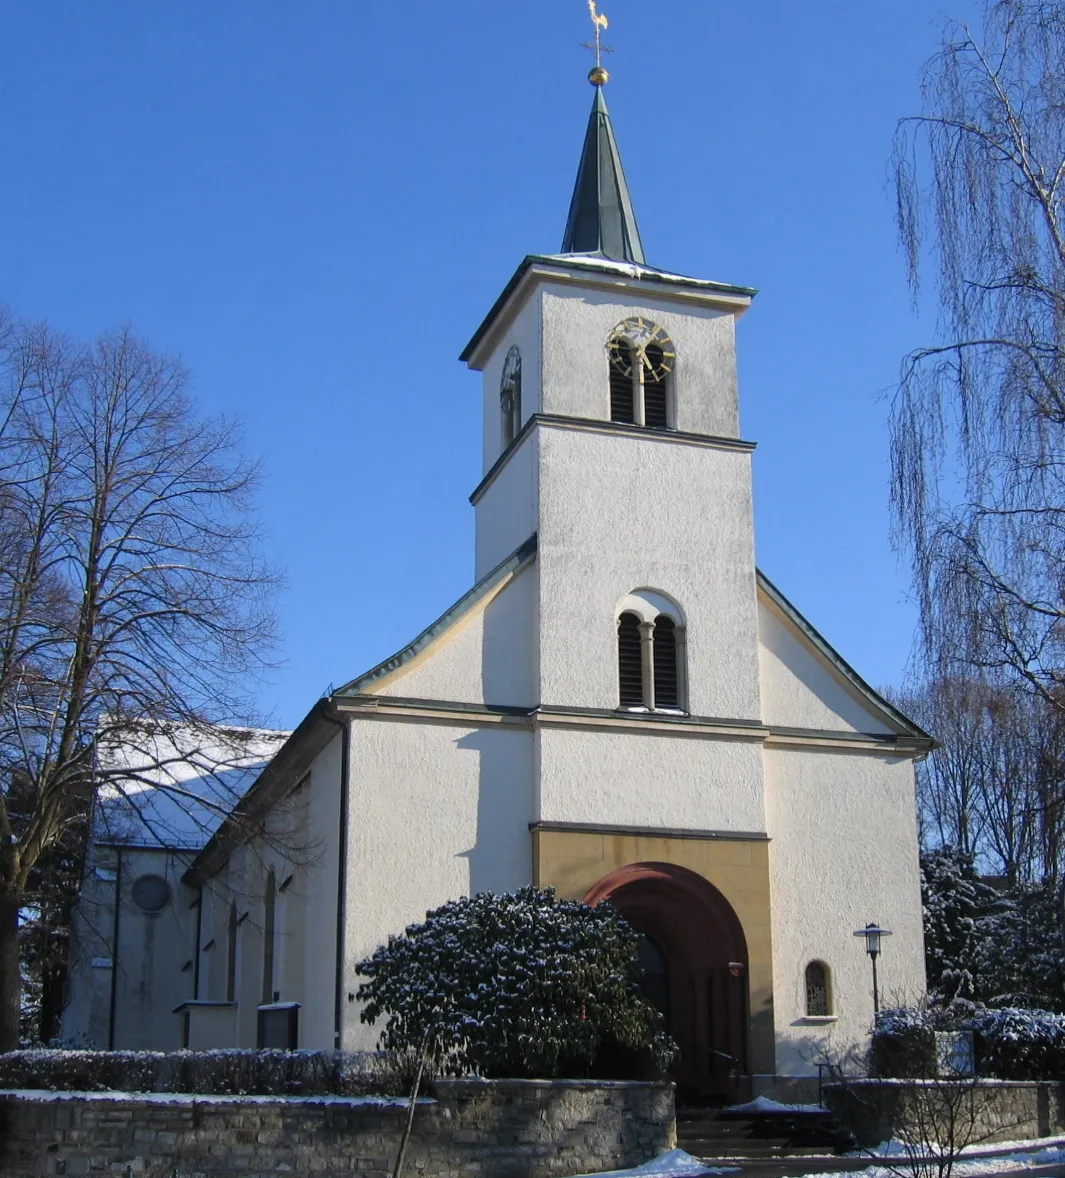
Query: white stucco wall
(489,656)
(799,690)
(843,853)
(152,969)
(506,512)
(438,811)
(634,779)
(620,513)
(577,323)
(524,333)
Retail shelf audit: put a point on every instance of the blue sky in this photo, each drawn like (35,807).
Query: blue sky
(314,205)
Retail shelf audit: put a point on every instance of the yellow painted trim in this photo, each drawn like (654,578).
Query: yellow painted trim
(572,862)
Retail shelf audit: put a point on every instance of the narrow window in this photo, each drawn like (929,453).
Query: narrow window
(817,997)
(622,383)
(231,955)
(655,412)
(630,662)
(510,397)
(268,938)
(667,694)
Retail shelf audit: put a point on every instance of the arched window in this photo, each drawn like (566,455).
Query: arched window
(622,399)
(641,373)
(510,397)
(667,693)
(818,994)
(630,661)
(651,650)
(269,908)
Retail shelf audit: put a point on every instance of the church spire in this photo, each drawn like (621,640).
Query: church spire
(601,219)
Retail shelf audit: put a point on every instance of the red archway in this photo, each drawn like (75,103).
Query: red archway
(702,940)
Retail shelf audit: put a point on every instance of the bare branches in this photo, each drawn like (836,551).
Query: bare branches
(132,589)
(978,423)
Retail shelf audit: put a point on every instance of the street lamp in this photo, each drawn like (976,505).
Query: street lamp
(873,933)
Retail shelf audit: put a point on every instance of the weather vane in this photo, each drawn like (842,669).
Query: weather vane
(598,75)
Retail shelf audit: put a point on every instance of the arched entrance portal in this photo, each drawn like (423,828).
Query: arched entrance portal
(698,971)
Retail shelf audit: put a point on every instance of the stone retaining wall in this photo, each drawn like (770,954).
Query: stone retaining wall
(509,1129)
(970,1111)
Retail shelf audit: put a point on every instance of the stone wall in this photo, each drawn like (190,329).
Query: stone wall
(501,1129)
(971,1112)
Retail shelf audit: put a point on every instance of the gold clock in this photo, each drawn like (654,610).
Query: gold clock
(641,340)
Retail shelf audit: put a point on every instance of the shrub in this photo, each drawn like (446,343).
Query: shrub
(1014,1044)
(518,985)
(903,1044)
(218,1073)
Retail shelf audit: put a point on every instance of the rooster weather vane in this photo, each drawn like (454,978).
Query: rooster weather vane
(598,76)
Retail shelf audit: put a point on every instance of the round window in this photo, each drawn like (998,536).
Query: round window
(151,893)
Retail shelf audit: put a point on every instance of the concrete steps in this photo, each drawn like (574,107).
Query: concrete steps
(709,1133)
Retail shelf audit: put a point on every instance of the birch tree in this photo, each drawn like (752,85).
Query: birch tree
(978,422)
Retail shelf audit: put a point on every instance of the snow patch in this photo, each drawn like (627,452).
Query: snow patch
(762,1104)
(674,1164)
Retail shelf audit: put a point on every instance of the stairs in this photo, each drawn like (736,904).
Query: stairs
(718,1133)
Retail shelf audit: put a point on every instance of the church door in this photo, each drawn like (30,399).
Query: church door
(695,966)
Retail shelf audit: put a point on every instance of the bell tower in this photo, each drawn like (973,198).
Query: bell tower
(611,432)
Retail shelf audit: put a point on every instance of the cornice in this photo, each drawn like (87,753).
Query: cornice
(382,707)
(593,425)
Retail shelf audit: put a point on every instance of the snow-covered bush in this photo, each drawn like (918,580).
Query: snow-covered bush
(518,985)
(258,1073)
(1015,1044)
(903,1044)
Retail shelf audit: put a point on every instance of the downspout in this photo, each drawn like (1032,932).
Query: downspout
(342,872)
(114,953)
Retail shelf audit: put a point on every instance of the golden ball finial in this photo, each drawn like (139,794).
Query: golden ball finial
(598,76)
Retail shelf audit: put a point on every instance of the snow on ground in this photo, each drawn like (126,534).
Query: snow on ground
(674,1164)
(762,1104)
(978,1161)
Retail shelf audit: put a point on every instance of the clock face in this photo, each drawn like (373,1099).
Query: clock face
(512,371)
(639,339)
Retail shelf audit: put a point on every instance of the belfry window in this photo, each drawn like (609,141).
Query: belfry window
(630,661)
(641,359)
(651,649)
(510,397)
(818,994)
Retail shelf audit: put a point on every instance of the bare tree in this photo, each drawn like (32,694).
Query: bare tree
(993,787)
(978,423)
(132,594)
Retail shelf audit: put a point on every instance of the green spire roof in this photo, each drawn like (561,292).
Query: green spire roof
(601,220)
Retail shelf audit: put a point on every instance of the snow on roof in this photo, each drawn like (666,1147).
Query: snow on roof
(171,786)
(635,270)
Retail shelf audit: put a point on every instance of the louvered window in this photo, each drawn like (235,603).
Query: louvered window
(622,384)
(817,1000)
(630,662)
(655,412)
(667,694)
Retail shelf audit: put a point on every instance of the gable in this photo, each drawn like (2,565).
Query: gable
(482,650)
(806,684)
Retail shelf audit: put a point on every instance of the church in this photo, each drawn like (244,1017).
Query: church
(622,707)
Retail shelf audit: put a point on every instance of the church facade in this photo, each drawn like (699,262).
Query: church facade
(622,708)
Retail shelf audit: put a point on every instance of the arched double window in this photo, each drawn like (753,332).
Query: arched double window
(818,990)
(641,361)
(510,397)
(651,654)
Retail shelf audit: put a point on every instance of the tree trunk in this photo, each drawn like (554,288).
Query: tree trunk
(53,989)
(10,973)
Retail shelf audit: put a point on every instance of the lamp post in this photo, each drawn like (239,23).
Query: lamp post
(873,934)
